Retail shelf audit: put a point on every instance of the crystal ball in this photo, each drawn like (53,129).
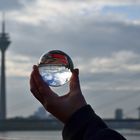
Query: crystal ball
(55,68)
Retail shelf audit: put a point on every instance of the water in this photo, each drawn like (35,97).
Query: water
(54,135)
(31,135)
(130,134)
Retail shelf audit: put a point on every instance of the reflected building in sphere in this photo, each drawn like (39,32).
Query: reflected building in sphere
(4,43)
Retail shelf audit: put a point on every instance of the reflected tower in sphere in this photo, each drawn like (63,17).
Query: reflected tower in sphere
(4,43)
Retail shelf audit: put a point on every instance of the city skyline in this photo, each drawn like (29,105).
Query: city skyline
(102,38)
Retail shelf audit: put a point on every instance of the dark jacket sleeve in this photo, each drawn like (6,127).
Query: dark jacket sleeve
(86,125)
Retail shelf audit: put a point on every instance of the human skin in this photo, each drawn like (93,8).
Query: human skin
(62,107)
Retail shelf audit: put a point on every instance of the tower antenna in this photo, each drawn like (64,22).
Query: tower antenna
(3,22)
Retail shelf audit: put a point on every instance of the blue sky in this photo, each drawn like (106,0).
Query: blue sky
(131,11)
(102,38)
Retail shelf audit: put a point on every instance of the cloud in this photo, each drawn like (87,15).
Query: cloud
(52,11)
(18,66)
(57,13)
(63,5)
(94,37)
(120,62)
(100,34)
(116,73)
(48,11)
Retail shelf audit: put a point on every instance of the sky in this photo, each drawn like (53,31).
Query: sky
(101,37)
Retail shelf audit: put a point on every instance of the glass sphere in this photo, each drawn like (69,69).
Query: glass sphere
(55,68)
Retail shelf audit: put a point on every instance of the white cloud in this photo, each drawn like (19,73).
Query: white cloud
(51,11)
(118,62)
(18,66)
(57,11)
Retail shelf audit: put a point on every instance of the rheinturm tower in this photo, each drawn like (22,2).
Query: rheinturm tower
(4,43)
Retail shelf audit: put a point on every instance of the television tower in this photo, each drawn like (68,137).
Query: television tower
(4,43)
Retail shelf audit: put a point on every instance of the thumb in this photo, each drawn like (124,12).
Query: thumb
(74,81)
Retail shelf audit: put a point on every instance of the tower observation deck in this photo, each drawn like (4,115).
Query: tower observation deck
(4,43)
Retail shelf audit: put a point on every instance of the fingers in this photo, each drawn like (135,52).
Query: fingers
(74,82)
(38,85)
(34,90)
(41,85)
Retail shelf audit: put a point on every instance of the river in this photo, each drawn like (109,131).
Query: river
(54,135)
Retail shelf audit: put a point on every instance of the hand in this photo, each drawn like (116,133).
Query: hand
(62,107)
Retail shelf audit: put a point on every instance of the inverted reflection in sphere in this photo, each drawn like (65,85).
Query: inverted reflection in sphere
(55,68)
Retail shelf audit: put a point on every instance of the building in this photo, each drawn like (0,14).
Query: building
(118,114)
(4,43)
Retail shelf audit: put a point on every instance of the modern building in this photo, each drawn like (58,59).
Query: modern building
(118,114)
(4,43)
